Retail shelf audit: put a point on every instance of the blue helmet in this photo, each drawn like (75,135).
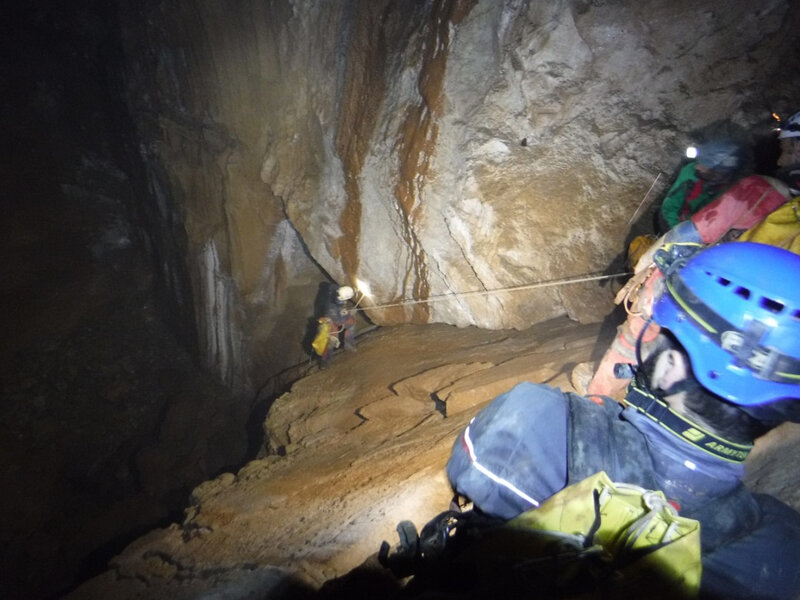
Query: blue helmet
(735,308)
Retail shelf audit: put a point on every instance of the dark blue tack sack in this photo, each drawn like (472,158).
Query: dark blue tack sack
(513,454)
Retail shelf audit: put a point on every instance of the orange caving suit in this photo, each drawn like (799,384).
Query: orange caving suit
(744,205)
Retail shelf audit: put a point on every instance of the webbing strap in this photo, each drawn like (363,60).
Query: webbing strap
(681,427)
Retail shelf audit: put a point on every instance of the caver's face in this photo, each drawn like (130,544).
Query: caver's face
(790,152)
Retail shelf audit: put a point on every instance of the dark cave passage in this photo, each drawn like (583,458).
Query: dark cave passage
(108,421)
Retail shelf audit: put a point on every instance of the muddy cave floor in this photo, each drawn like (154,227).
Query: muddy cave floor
(124,464)
(353,450)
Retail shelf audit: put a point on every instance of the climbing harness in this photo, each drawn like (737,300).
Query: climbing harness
(327,336)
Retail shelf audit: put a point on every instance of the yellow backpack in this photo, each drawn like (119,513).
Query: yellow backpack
(593,539)
(637,532)
(638,247)
(320,343)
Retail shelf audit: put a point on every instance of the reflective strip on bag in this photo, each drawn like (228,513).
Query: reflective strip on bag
(494,477)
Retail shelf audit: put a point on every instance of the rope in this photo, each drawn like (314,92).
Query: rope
(532,286)
(634,288)
(638,208)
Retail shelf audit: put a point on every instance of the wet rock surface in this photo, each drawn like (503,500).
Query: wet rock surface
(356,449)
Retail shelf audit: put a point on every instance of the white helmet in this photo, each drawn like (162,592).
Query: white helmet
(723,156)
(790,129)
(344,293)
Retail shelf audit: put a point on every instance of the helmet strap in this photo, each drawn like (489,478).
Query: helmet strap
(639,339)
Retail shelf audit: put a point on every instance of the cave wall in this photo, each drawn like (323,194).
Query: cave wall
(427,147)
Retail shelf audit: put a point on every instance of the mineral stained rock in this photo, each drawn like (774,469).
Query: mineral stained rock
(438,150)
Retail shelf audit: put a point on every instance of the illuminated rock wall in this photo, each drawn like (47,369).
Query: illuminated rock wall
(428,148)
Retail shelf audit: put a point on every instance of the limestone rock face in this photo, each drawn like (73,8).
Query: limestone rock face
(438,150)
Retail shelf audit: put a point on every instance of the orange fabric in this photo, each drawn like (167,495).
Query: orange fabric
(623,348)
(744,205)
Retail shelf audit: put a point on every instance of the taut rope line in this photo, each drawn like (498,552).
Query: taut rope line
(638,208)
(532,286)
